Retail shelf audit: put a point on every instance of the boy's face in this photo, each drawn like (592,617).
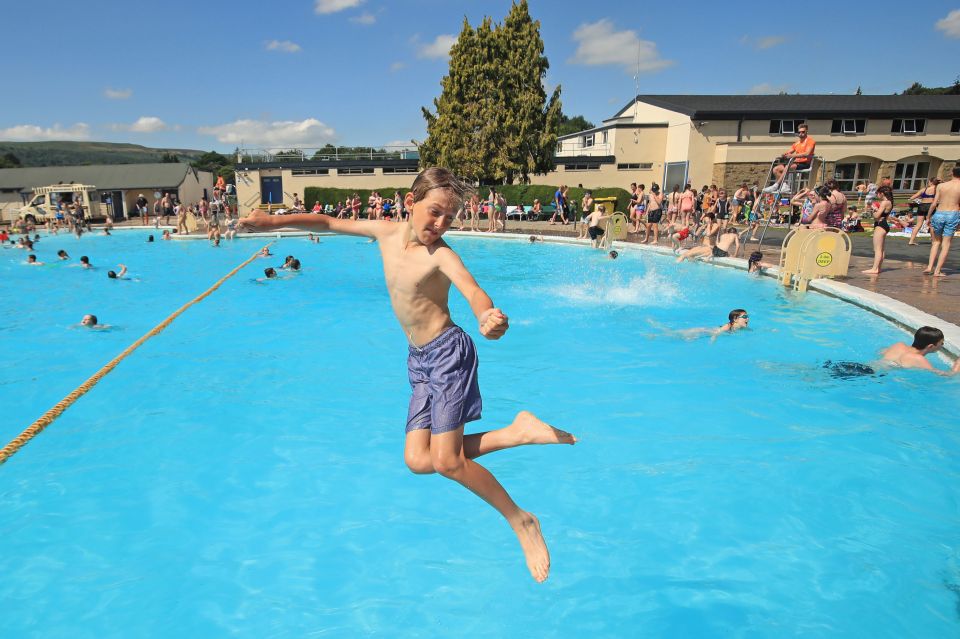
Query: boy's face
(431,217)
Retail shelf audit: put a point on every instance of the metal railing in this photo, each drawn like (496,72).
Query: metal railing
(326,154)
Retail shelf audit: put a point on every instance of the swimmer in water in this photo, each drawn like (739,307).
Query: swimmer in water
(118,276)
(756,264)
(265,252)
(90,321)
(61,254)
(737,320)
(613,255)
(32,260)
(926,341)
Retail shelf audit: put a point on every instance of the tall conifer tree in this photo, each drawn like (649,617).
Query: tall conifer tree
(493,122)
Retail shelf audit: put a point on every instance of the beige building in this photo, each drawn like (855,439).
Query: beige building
(701,139)
(120,184)
(729,139)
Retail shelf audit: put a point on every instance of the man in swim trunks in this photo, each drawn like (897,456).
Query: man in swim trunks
(727,240)
(943,223)
(419,268)
(926,341)
(706,249)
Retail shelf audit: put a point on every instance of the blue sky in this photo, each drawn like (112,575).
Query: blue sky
(356,72)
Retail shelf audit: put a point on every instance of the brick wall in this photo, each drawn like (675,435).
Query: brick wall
(731,175)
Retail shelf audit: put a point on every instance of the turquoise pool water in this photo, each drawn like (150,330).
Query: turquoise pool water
(242,473)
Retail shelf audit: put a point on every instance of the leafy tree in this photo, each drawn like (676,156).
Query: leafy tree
(169,158)
(492,120)
(215,163)
(918,89)
(573,125)
(9,161)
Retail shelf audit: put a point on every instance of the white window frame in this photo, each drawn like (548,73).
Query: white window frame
(852,126)
(603,137)
(586,140)
(911,129)
(913,183)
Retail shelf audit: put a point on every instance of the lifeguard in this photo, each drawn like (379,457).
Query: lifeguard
(801,152)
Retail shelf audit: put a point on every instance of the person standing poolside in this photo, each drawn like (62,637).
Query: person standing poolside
(420,268)
(560,201)
(943,223)
(881,213)
(924,198)
(926,341)
(654,215)
(141,204)
(687,203)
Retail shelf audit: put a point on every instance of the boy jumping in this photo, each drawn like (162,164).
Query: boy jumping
(419,268)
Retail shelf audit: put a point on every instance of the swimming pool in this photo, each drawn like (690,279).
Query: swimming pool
(242,472)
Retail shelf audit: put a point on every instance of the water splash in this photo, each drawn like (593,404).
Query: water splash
(648,290)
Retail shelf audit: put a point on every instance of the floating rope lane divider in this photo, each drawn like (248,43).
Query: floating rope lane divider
(47,418)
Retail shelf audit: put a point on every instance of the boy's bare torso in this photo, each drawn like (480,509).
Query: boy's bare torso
(419,291)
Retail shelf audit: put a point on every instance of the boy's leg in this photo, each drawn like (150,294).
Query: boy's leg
(449,459)
(525,430)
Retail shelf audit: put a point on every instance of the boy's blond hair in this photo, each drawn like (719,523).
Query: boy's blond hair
(437,177)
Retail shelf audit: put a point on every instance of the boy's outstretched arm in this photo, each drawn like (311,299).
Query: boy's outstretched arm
(493,323)
(262,221)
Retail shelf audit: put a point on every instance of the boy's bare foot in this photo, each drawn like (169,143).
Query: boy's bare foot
(871,271)
(927,271)
(939,274)
(531,430)
(534,548)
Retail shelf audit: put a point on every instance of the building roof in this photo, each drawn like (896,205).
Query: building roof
(733,107)
(106,177)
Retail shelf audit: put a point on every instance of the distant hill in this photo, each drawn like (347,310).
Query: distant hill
(77,153)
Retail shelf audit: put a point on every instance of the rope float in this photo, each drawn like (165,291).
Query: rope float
(47,418)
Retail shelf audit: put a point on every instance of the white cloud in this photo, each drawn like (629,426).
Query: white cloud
(118,94)
(950,25)
(284,46)
(306,133)
(439,48)
(34,133)
(365,18)
(333,6)
(144,124)
(396,66)
(599,44)
(765,88)
(766,42)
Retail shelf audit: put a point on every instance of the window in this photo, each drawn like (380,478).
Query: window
(586,140)
(910,176)
(849,127)
(635,166)
(296,172)
(559,147)
(784,127)
(400,169)
(603,137)
(355,171)
(955,126)
(589,166)
(909,126)
(849,175)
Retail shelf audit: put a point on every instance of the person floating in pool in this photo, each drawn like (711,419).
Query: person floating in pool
(737,319)
(62,255)
(118,276)
(926,341)
(612,255)
(32,260)
(756,264)
(419,268)
(90,321)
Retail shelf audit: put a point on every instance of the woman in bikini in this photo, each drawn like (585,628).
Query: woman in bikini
(924,198)
(881,211)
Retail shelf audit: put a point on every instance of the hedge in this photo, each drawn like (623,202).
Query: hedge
(515,194)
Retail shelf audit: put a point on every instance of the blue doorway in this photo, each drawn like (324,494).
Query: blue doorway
(271,190)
